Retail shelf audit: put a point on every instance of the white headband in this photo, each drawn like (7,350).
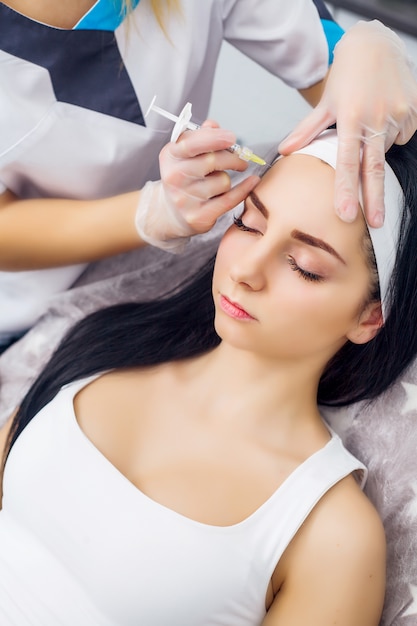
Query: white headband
(384,239)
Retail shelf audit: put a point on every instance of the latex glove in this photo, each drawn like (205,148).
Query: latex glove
(371,94)
(194,190)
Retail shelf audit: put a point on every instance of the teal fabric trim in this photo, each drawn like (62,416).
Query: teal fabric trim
(104,15)
(333,33)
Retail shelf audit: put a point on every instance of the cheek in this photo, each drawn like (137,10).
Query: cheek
(331,306)
(309,316)
(227,251)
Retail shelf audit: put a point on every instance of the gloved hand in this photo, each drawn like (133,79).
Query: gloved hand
(194,190)
(371,94)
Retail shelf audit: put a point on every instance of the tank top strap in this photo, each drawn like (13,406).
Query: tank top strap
(284,513)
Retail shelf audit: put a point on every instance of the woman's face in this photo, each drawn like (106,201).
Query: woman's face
(291,279)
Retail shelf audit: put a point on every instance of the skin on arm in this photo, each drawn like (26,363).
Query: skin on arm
(50,232)
(313,94)
(4,433)
(41,233)
(333,572)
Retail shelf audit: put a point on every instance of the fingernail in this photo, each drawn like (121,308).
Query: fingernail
(377,219)
(286,142)
(347,211)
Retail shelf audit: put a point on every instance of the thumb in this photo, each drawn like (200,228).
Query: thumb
(318,120)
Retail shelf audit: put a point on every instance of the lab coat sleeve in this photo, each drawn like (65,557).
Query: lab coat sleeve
(293,40)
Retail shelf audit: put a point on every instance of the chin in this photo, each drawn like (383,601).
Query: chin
(234,334)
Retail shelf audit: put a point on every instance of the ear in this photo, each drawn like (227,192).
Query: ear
(370,321)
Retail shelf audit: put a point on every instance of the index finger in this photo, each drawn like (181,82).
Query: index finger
(201,141)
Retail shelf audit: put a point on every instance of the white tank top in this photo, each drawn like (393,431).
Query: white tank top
(80,545)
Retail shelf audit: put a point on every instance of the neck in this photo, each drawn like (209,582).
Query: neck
(237,383)
(61,14)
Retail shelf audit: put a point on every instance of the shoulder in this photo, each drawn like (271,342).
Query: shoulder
(345,525)
(336,562)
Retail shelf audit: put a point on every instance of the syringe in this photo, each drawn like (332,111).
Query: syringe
(183,122)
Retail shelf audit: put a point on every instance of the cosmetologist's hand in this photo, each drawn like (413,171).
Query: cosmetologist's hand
(194,190)
(371,94)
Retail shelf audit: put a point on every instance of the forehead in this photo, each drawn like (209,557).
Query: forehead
(299,191)
(301,187)
(300,176)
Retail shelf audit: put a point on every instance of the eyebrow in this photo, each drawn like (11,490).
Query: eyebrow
(261,207)
(316,243)
(298,234)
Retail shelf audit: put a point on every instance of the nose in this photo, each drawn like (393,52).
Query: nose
(249,270)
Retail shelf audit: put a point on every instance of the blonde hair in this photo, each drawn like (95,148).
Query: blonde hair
(159,7)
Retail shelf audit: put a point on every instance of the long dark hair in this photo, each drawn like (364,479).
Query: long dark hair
(180,325)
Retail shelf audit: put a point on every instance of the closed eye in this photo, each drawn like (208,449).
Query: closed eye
(239,224)
(309,276)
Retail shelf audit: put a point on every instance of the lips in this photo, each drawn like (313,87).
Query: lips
(234,310)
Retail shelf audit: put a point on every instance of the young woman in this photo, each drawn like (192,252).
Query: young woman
(170,465)
(75,149)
